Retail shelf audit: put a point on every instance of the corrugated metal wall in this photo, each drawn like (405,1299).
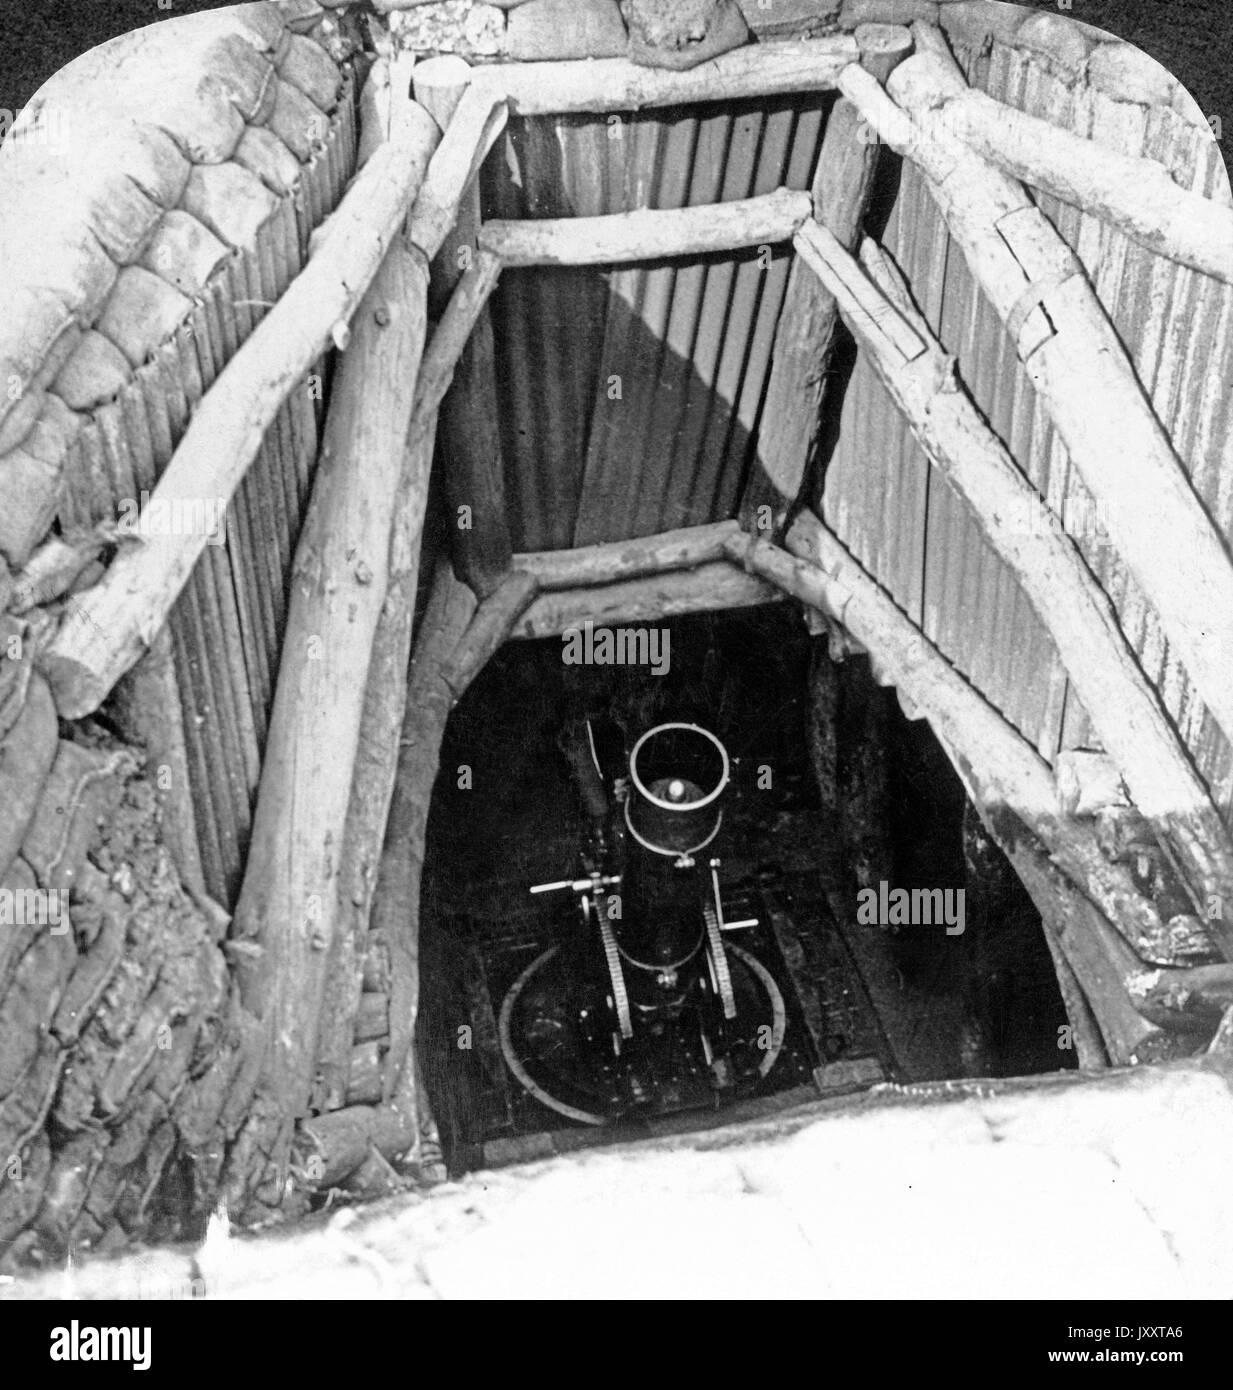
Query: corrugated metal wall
(226,627)
(910,530)
(630,397)
(686,347)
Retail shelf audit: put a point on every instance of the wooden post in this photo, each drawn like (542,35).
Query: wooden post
(1102,963)
(1139,196)
(385,699)
(455,642)
(1075,360)
(1005,775)
(1001,773)
(289,900)
(1133,727)
(1187,1001)
(805,335)
(469,428)
(110,626)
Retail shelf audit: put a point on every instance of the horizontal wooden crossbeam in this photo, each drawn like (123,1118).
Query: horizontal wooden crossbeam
(710,588)
(648,234)
(618,560)
(606,85)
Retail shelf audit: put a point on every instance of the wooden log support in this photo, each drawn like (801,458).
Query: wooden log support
(617,560)
(1004,774)
(395,906)
(1139,196)
(1075,360)
(469,439)
(1001,774)
(1088,783)
(289,900)
(477,120)
(649,234)
(824,576)
(1086,1035)
(469,434)
(604,85)
(385,699)
(449,341)
(1185,1001)
(341,1145)
(1100,960)
(334,1145)
(652,598)
(805,335)
(291,903)
(1133,727)
(111,626)
(456,641)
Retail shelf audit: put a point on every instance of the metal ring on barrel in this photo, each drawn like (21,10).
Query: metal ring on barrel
(673,826)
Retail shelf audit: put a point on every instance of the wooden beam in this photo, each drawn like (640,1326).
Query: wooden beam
(1126,712)
(469,431)
(616,560)
(823,575)
(385,697)
(1088,783)
(1075,360)
(333,1146)
(1000,772)
(1005,774)
(791,417)
(474,125)
(110,626)
(1193,1000)
(872,317)
(292,900)
(648,234)
(449,341)
(289,900)
(1139,196)
(395,917)
(1099,959)
(709,588)
(605,85)
(456,640)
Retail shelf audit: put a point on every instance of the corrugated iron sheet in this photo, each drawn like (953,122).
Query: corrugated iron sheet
(227,625)
(916,537)
(630,397)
